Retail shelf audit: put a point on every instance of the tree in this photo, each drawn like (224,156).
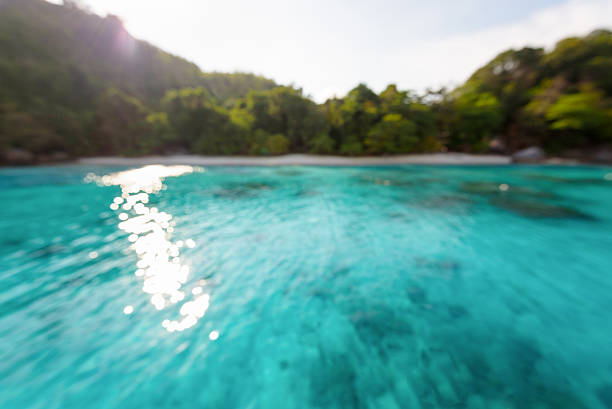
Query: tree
(79,83)
(393,101)
(277,144)
(359,110)
(19,129)
(285,110)
(581,118)
(477,118)
(120,123)
(393,134)
(203,126)
(322,144)
(351,147)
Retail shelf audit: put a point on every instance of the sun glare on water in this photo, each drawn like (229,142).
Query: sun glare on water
(159,263)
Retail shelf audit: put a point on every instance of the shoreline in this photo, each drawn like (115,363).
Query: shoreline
(300,160)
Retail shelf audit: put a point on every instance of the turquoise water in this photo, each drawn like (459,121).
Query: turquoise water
(306,287)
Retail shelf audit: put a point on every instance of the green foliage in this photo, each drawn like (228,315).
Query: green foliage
(257,142)
(597,71)
(431,144)
(359,111)
(202,126)
(581,117)
(571,56)
(23,130)
(322,144)
(81,84)
(120,124)
(277,144)
(230,87)
(476,120)
(283,110)
(393,134)
(394,101)
(351,147)
(74,82)
(577,112)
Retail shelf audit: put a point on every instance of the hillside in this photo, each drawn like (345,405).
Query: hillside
(559,100)
(60,63)
(77,84)
(42,40)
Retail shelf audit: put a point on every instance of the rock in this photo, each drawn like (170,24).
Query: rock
(538,209)
(500,188)
(60,156)
(16,156)
(54,157)
(602,156)
(561,161)
(497,145)
(531,154)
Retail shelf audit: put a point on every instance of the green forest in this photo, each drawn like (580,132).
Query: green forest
(75,84)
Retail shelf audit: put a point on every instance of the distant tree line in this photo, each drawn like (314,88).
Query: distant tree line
(79,84)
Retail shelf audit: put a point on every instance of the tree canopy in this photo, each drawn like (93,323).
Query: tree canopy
(80,84)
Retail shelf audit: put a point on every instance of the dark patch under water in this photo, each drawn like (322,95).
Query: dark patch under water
(571,181)
(604,393)
(445,202)
(503,189)
(538,209)
(236,190)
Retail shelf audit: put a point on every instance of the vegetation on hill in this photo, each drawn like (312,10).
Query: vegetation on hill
(77,84)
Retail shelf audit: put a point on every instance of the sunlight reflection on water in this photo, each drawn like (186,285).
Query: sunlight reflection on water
(149,229)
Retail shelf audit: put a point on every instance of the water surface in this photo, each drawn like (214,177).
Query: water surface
(306,287)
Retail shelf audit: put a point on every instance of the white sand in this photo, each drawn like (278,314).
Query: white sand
(313,160)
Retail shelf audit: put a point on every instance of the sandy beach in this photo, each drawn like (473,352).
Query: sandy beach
(302,160)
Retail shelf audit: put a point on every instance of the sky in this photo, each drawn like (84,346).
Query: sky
(327,47)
